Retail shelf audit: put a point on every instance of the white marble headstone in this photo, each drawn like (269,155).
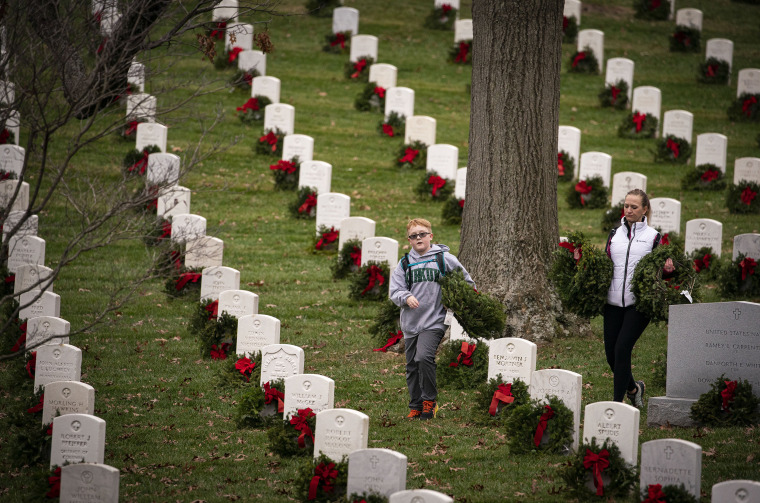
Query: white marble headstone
(691,18)
(672,462)
(280,361)
(378,471)
(186,227)
(355,228)
(299,145)
(225,10)
(77,438)
(205,251)
(595,164)
(399,100)
(647,100)
(363,46)
(420,496)
(7,192)
(569,140)
(380,249)
(7,92)
(315,174)
(620,69)
(460,184)
(512,358)
(339,432)
(739,491)
(67,397)
(12,159)
(28,227)
(678,123)
(616,421)
(624,182)
(454,3)
(312,391)
(666,214)
(60,362)
(594,40)
(250,60)
(151,133)
(419,128)
(254,331)
(748,81)
(136,76)
(215,280)
(747,169)
(173,200)
(48,330)
(35,303)
(332,208)
(565,385)
(279,116)
(345,19)
(163,169)
(443,159)
(89,482)
(383,74)
(711,149)
(748,244)
(266,86)
(704,232)
(242,33)
(141,106)
(572,8)
(462,30)
(238,303)
(25,250)
(722,49)
(33,276)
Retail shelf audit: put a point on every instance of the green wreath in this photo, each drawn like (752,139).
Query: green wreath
(430,187)
(654,294)
(368,498)
(631,129)
(441,17)
(461,52)
(713,71)
(136,161)
(252,110)
(611,217)
(8,175)
(735,279)
(322,465)
(412,156)
(358,71)
(569,29)
(7,137)
(270,143)
(653,10)
(581,284)
(129,130)
(252,411)
(672,238)
(230,374)
(584,61)
(326,239)
(372,97)
(366,285)
(451,213)
(746,108)
(7,284)
(28,442)
(673,149)
(285,173)
(742,404)
(704,177)
(170,259)
(222,58)
(704,262)
(454,373)
(615,95)
(337,43)
(387,323)
(484,398)
(305,205)
(668,494)
(480,315)
(344,263)
(213,334)
(243,80)
(565,166)
(685,39)
(622,477)
(521,425)
(590,193)
(185,283)
(283,438)
(157,231)
(393,126)
(322,8)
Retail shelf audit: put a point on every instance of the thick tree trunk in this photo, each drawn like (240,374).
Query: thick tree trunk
(509,225)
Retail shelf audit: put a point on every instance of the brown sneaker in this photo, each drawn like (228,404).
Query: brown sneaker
(429,410)
(414,414)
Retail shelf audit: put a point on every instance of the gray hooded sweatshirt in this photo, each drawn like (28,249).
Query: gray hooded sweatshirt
(430,314)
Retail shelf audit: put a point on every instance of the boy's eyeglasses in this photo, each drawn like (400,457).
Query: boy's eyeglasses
(418,235)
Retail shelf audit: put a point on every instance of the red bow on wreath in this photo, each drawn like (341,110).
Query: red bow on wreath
(393,339)
(599,462)
(251,104)
(234,53)
(324,474)
(437,182)
(748,195)
(359,68)
(542,423)
(409,155)
(461,57)
(665,240)
(654,4)
(575,250)
(615,92)
(245,366)
(673,147)
(141,164)
(185,278)
(340,38)
(271,139)
(299,421)
(54,481)
(702,264)
(388,129)
(465,355)
(31,365)
(710,175)
(748,267)
(282,165)
(461,203)
(655,494)
(565,22)
(327,238)
(728,393)
(375,276)
(166,229)
(220,353)
(131,128)
(218,33)
(747,105)
(380,91)
(682,38)
(578,58)
(583,189)
(639,119)
(37,408)
(712,70)
(213,310)
(271,393)
(560,164)
(310,203)
(446,8)
(356,256)
(503,394)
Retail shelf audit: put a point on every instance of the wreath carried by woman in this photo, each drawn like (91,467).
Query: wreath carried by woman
(673,149)
(540,426)
(589,193)
(581,274)
(704,177)
(739,278)
(584,61)
(637,126)
(615,95)
(685,39)
(656,291)
(462,364)
(728,403)
(746,108)
(713,71)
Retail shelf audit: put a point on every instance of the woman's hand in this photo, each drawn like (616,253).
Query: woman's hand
(669,267)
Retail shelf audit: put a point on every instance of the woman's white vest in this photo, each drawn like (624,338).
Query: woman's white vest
(625,251)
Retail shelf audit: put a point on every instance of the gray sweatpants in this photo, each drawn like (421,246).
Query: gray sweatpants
(420,366)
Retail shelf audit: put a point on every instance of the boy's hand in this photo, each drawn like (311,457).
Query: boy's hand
(412,302)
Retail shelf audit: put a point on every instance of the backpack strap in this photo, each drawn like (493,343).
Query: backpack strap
(407,271)
(441,262)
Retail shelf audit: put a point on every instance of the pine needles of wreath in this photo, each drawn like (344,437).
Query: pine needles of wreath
(741,409)
(521,426)
(480,315)
(622,477)
(461,375)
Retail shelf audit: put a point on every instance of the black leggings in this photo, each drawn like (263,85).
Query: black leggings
(622,328)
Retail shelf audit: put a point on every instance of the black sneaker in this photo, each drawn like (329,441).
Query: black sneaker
(637,397)
(429,410)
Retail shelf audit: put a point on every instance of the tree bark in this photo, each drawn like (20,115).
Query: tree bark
(509,224)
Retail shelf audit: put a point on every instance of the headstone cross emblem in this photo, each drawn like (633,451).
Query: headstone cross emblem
(668,452)
(306,385)
(75,425)
(87,477)
(236,299)
(218,274)
(741,495)
(554,381)
(46,325)
(417,499)
(702,226)
(662,204)
(510,347)
(257,323)
(378,244)
(57,354)
(66,392)
(340,420)
(737,313)
(374,460)
(609,413)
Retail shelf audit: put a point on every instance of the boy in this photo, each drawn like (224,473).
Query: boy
(414,288)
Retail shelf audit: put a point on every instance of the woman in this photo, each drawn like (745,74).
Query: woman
(623,325)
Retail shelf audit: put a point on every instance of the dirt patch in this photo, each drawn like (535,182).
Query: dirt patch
(619,12)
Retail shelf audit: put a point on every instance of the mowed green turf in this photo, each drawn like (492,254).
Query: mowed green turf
(169,427)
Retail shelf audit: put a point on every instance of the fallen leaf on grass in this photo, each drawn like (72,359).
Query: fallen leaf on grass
(709,452)
(455,469)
